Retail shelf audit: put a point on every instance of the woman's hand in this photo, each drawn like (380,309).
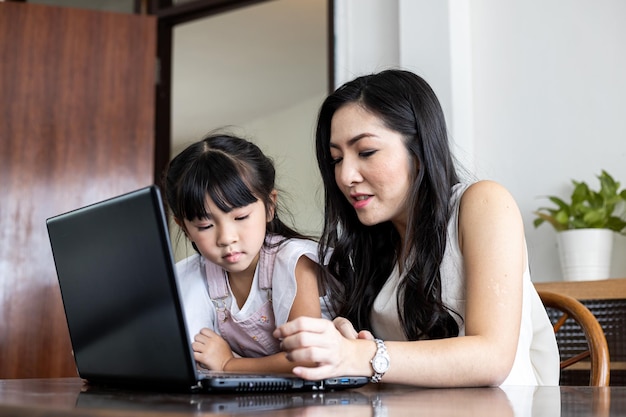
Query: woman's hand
(347,330)
(211,350)
(331,345)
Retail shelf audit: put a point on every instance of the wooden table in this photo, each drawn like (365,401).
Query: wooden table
(70,397)
(604,289)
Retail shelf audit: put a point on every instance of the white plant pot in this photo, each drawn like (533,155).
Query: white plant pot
(585,254)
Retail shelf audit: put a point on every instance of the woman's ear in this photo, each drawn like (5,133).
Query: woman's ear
(271,210)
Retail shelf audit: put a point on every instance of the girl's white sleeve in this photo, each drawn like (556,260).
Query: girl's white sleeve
(197,305)
(284,284)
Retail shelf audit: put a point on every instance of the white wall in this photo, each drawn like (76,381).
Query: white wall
(534,91)
(260,72)
(288,136)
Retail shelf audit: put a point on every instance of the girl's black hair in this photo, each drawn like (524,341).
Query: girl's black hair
(363,257)
(232,171)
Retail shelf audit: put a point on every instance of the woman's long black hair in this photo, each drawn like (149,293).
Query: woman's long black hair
(363,257)
(232,171)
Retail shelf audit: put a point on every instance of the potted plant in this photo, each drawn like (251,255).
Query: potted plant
(585,226)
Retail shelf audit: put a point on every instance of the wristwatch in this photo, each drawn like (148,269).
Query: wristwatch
(380,362)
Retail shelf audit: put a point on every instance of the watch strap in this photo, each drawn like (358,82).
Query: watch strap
(381,350)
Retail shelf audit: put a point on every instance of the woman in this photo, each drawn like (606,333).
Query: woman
(422,258)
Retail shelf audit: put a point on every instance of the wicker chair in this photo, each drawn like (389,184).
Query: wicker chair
(597,351)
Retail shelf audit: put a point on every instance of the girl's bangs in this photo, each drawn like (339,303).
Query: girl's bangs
(222,181)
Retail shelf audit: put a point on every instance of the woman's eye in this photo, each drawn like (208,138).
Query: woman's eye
(335,161)
(366,154)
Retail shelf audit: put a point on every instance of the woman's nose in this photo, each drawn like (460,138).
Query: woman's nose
(347,173)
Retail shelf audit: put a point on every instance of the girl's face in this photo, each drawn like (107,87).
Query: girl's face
(372,166)
(231,240)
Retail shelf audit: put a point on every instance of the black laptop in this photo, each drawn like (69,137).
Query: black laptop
(118,282)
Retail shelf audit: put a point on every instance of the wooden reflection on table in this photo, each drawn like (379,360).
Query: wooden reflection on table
(597,403)
(482,402)
(53,393)
(68,396)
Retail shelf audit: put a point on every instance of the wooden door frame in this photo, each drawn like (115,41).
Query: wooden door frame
(77,100)
(168,16)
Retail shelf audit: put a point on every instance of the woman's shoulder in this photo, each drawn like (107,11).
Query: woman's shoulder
(486,203)
(484,192)
(486,186)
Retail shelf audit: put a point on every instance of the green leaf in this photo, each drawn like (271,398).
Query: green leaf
(587,208)
(562,204)
(616,224)
(595,218)
(550,219)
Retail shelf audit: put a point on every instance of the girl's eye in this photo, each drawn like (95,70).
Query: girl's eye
(242,217)
(204,227)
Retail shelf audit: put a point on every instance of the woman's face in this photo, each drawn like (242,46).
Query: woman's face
(372,166)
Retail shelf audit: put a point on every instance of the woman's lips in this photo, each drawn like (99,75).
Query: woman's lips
(360,200)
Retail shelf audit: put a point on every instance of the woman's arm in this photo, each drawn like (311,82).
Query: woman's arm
(491,239)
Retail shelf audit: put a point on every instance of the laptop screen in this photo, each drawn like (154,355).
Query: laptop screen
(115,271)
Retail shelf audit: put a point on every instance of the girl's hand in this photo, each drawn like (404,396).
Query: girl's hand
(211,350)
(331,345)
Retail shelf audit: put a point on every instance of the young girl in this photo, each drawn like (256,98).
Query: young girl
(252,272)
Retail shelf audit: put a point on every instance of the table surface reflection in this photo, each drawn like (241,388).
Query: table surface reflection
(70,397)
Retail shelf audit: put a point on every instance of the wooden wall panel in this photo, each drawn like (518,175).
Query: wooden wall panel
(76,126)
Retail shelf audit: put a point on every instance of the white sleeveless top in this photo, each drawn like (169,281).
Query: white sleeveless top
(537,358)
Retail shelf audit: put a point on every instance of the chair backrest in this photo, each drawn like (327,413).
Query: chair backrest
(598,350)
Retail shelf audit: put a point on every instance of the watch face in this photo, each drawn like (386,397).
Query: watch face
(380,363)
